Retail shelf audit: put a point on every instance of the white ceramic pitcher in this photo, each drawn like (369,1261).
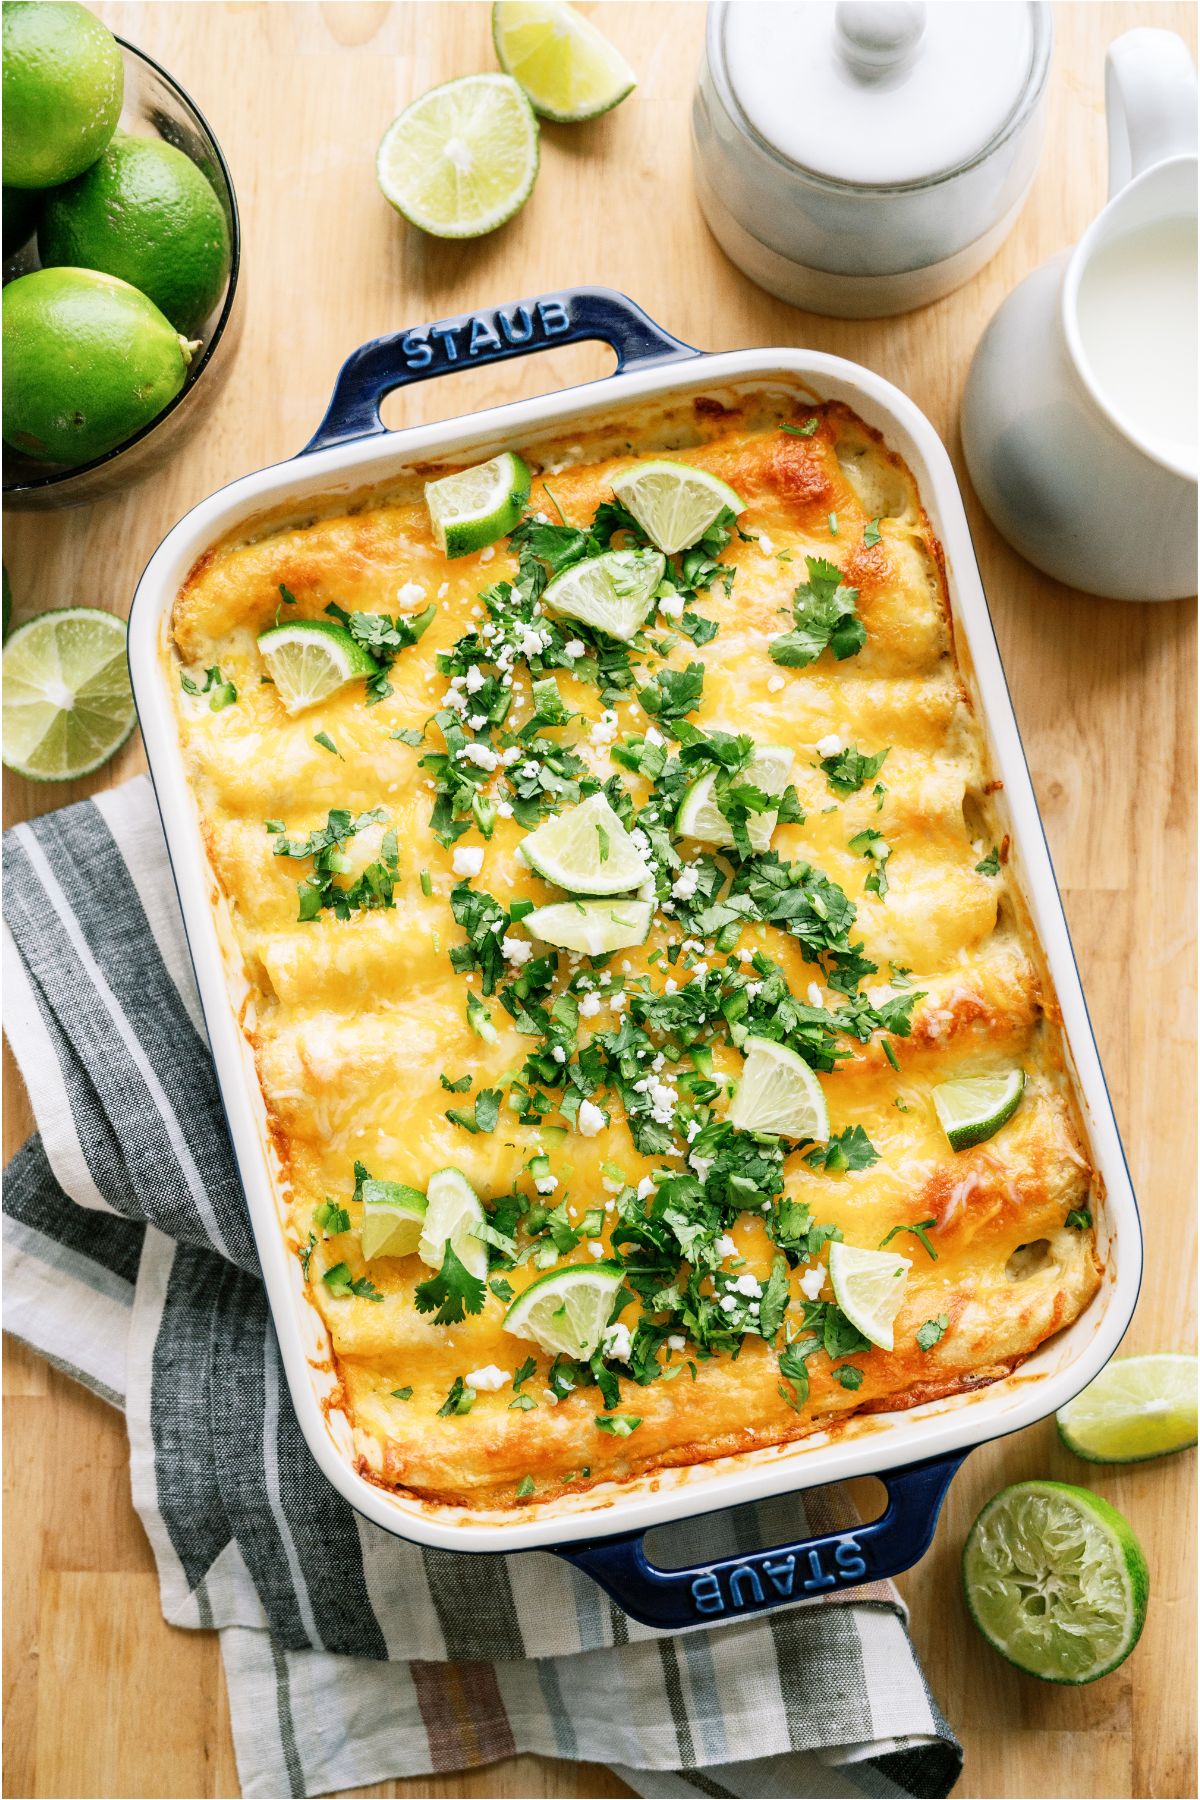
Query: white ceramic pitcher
(1065,447)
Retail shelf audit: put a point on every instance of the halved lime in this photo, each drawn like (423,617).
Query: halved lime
(613,592)
(1056,1581)
(699,816)
(778,1092)
(474,507)
(672,502)
(1136,1408)
(869,1285)
(586,850)
(462,158)
(972,1110)
(565,1312)
(312,659)
(393,1217)
(452,1211)
(569,69)
(67,701)
(594,927)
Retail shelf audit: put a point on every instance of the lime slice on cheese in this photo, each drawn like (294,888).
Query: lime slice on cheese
(1056,1581)
(565,1312)
(672,502)
(1136,1408)
(312,659)
(68,705)
(393,1218)
(472,508)
(586,850)
(569,70)
(593,927)
(972,1110)
(613,592)
(453,1211)
(869,1285)
(700,817)
(779,1093)
(462,158)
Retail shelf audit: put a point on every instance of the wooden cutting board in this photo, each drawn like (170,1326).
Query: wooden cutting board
(101,1697)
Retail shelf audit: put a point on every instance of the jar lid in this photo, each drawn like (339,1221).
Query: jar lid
(879,92)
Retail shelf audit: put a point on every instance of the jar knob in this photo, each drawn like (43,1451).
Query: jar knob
(878,37)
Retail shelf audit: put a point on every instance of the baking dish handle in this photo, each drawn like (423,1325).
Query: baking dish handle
(738,1585)
(570,316)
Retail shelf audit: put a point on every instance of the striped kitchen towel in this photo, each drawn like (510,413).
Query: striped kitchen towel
(352,1657)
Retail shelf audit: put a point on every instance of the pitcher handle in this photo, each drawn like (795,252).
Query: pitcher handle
(1150,102)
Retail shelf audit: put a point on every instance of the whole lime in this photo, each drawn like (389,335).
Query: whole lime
(21,209)
(88,361)
(145,212)
(63,85)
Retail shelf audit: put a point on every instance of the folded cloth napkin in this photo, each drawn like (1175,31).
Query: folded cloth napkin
(351,1656)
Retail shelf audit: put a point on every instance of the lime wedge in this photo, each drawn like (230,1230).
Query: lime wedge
(565,1312)
(613,592)
(569,69)
(474,507)
(1136,1408)
(699,816)
(672,502)
(594,927)
(462,158)
(393,1217)
(972,1110)
(453,1211)
(586,850)
(312,659)
(869,1285)
(1056,1581)
(778,1092)
(67,701)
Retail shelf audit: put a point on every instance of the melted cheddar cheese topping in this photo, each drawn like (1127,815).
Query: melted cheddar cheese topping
(355,1021)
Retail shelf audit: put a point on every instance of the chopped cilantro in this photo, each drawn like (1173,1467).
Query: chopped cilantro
(306,1253)
(673,693)
(826,617)
(805,430)
(483,1117)
(850,769)
(1079,1219)
(453,1292)
(326,742)
(872,536)
(871,844)
(408,736)
(848,1375)
(374,887)
(461,1086)
(382,638)
(404,1393)
(919,1231)
(525,1487)
(527,1370)
(331,1218)
(617,1424)
(990,864)
(932,1331)
(221,693)
(501,1288)
(459,1400)
(849,1149)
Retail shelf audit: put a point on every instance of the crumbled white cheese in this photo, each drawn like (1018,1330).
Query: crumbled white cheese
(516,950)
(468,860)
(477,721)
(590,1120)
(776,684)
(487,555)
(654,737)
(558,1053)
(616,1343)
(671,605)
(749,1285)
(814,995)
(596,1247)
(589,1006)
(728,1303)
(676,1341)
(812,1281)
(830,745)
(765,544)
(481,755)
(475,678)
(645,1187)
(726,1245)
(686,882)
(546,1184)
(616,1002)
(488,1380)
(409,596)
(574,647)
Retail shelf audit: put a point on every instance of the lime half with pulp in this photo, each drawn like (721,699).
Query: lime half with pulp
(474,507)
(565,1312)
(972,1110)
(67,700)
(701,818)
(869,1285)
(779,1093)
(567,67)
(1136,1408)
(393,1218)
(672,502)
(312,659)
(463,158)
(453,1212)
(586,850)
(592,927)
(613,592)
(1056,1581)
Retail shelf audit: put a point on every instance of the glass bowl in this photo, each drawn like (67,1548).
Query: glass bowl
(154,106)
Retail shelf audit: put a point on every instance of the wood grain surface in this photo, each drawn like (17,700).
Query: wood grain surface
(100,1696)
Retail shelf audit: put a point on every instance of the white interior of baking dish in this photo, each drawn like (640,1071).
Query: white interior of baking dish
(291,491)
